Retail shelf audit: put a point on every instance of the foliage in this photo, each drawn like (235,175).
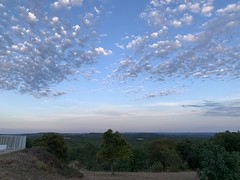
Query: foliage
(229,140)
(114,148)
(189,151)
(217,163)
(53,143)
(28,142)
(86,155)
(164,151)
(140,158)
(157,167)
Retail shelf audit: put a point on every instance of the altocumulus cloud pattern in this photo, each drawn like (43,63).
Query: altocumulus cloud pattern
(43,43)
(192,39)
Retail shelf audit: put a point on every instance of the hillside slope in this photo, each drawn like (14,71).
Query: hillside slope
(34,164)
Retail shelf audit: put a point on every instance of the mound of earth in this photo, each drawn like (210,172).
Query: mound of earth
(34,164)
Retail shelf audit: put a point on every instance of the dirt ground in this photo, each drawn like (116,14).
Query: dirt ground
(139,176)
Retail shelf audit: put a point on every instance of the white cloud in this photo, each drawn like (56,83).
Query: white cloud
(96,10)
(176,23)
(154,35)
(187,37)
(15,47)
(167,92)
(182,7)
(135,42)
(103,51)
(88,19)
(229,8)
(66,3)
(206,10)
(187,18)
(58,36)
(195,7)
(119,46)
(32,17)
(55,19)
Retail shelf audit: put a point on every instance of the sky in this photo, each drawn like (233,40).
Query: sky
(79,66)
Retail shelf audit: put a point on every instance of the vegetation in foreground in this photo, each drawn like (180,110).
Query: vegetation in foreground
(215,158)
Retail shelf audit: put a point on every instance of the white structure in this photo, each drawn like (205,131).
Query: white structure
(3,148)
(12,143)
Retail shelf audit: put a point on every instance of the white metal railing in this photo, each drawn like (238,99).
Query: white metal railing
(12,143)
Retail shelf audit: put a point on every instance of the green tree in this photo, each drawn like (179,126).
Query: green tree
(114,148)
(140,159)
(164,151)
(229,140)
(217,164)
(53,143)
(86,155)
(189,152)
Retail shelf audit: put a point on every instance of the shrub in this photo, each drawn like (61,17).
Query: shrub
(53,143)
(157,167)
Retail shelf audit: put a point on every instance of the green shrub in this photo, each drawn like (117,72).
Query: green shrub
(157,167)
(53,143)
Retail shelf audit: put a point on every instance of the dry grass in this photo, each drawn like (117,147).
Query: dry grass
(139,176)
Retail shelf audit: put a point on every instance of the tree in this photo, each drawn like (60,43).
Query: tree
(217,163)
(114,148)
(189,152)
(86,155)
(164,151)
(229,140)
(140,159)
(53,143)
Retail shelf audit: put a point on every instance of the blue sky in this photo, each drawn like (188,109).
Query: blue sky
(130,65)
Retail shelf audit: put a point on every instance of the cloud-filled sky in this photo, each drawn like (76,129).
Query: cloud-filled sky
(86,66)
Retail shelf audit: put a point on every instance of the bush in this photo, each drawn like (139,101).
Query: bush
(157,167)
(164,151)
(53,143)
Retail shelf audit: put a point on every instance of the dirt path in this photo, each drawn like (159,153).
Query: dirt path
(139,176)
